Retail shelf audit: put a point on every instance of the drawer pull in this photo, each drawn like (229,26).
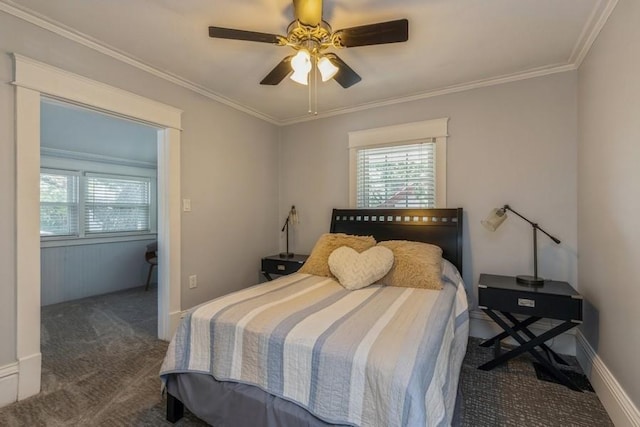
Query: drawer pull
(525,302)
(281,267)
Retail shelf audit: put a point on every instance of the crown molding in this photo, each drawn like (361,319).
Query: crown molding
(62,30)
(598,18)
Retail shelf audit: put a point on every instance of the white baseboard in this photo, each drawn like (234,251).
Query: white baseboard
(20,379)
(482,326)
(621,409)
(29,375)
(8,384)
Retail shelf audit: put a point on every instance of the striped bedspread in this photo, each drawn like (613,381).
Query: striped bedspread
(378,356)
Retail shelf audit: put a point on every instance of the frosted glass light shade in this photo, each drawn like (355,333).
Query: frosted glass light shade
(301,77)
(301,64)
(494,219)
(293,216)
(327,69)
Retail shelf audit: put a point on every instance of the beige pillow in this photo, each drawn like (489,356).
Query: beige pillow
(318,261)
(356,270)
(417,265)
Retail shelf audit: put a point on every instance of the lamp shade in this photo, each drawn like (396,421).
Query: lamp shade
(327,68)
(301,64)
(494,219)
(300,77)
(293,216)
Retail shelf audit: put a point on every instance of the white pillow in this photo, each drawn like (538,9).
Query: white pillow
(356,270)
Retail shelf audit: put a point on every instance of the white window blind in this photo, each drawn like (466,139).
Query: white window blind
(398,176)
(116,204)
(58,203)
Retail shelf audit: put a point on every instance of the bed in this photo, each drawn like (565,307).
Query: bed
(303,351)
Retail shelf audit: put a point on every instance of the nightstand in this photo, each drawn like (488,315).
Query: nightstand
(555,300)
(273,264)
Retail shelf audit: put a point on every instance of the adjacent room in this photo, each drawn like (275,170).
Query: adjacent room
(375,213)
(98,208)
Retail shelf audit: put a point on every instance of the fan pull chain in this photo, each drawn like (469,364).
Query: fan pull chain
(315,88)
(309,92)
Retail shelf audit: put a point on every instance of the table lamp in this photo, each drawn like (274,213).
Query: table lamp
(292,218)
(496,218)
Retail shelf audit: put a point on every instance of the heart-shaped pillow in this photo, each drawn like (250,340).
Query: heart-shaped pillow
(356,270)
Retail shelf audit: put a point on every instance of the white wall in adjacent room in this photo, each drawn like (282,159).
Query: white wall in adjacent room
(70,128)
(74,272)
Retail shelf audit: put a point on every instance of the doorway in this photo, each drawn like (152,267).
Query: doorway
(98,203)
(34,80)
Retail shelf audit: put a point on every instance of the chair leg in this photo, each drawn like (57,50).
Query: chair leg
(146,288)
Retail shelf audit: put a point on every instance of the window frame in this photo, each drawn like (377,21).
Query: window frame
(435,130)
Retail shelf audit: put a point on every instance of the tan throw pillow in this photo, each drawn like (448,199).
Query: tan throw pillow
(417,265)
(357,270)
(318,261)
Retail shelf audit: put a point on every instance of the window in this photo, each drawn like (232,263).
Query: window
(399,176)
(58,203)
(116,204)
(78,204)
(401,166)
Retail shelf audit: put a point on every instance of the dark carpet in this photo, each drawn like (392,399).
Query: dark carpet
(101,361)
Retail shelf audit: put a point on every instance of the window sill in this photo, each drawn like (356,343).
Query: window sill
(75,241)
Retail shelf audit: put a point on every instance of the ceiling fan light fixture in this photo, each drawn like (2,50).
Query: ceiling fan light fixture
(327,68)
(301,64)
(300,77)
(310,35)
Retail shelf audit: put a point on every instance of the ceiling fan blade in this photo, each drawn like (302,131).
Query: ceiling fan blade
(282,70)
(345,76)
(308,12)
(252,36)
(381,33)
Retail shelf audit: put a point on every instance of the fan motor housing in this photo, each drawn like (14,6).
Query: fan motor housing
(312,38)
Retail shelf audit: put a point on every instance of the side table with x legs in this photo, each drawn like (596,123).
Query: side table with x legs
(501,298)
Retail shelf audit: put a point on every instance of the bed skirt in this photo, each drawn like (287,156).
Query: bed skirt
(229,404)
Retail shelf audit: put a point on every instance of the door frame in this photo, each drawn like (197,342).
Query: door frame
(34,80)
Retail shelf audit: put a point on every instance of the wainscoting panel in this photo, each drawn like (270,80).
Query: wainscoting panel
(73,272)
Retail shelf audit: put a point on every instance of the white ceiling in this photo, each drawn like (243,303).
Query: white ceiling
(453,45)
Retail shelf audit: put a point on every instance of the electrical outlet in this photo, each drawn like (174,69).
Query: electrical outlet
(193,281)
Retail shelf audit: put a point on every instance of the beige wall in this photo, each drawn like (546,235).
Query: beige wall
(513,143)
(229,171)
(608,189)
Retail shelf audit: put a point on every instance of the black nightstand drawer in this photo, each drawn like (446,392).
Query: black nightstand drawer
(274,264)
(280,266)
(545,305)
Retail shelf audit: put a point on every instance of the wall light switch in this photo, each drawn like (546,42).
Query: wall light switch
(186,205)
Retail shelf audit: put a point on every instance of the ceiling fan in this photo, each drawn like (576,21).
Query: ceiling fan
(311,36)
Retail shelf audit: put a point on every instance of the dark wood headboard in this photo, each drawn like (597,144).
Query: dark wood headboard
(441,227)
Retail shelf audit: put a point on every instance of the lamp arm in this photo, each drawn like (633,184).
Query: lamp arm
(286,222)
(533,224)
